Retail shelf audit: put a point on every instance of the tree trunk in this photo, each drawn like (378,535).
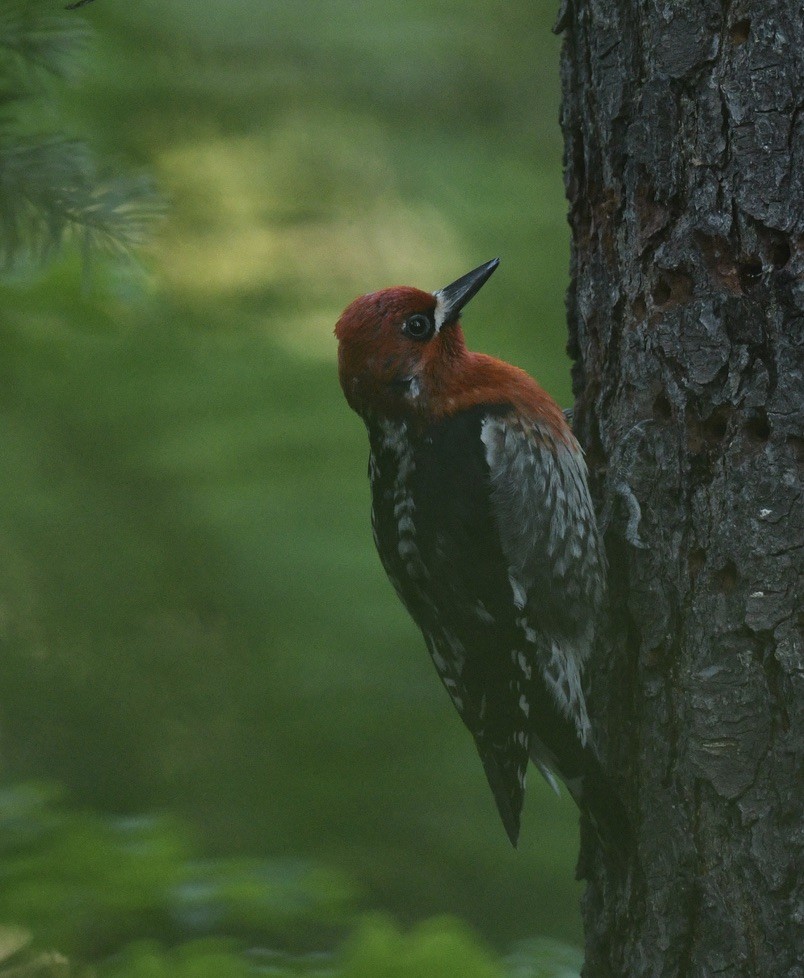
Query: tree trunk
(685,175)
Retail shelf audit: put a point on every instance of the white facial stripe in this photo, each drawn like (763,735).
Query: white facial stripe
(440,312)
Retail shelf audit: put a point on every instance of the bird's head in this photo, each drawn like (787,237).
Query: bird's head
(399,348)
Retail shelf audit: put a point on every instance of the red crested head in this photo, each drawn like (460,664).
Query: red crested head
(390,349)
(401,354)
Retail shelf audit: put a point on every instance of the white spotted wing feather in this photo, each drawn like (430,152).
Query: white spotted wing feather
(548,534)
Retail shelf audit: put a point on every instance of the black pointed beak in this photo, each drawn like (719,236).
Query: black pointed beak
(452,298)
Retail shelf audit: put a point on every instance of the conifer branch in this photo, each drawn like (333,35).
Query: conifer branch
(51,187)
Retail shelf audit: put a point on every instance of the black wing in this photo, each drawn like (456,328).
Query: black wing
(467,615)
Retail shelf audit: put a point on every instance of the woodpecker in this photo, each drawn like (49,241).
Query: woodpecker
(484,524)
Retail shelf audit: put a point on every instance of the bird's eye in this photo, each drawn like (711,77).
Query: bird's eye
(419,327)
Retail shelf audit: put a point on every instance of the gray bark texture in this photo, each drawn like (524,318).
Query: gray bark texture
(684,168)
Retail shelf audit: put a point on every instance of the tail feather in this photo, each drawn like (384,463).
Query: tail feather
(546,773)
(591,789)
(506,778)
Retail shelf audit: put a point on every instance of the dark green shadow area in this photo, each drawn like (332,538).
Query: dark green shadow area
(193,616)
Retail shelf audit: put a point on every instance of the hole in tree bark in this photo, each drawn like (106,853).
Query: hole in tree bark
(714,428)
(750,272)
(672,288)
(662,410)
(739,31)
(708,432)
(726,578)
(757,428)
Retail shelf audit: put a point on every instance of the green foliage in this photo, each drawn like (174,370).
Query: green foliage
(78,881)
(87,885)
(50,187)
(276,901)
(196,959)
(442,946)
(130,897)
(192,616)
(35,38)
(50,192)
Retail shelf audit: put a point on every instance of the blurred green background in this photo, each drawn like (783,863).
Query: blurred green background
(193,618)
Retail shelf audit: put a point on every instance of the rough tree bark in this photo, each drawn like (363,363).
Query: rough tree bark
(685,175)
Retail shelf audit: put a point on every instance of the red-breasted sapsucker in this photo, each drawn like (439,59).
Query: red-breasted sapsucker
(484,524)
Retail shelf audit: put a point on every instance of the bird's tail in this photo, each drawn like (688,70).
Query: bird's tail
(507,783)
(591,789)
